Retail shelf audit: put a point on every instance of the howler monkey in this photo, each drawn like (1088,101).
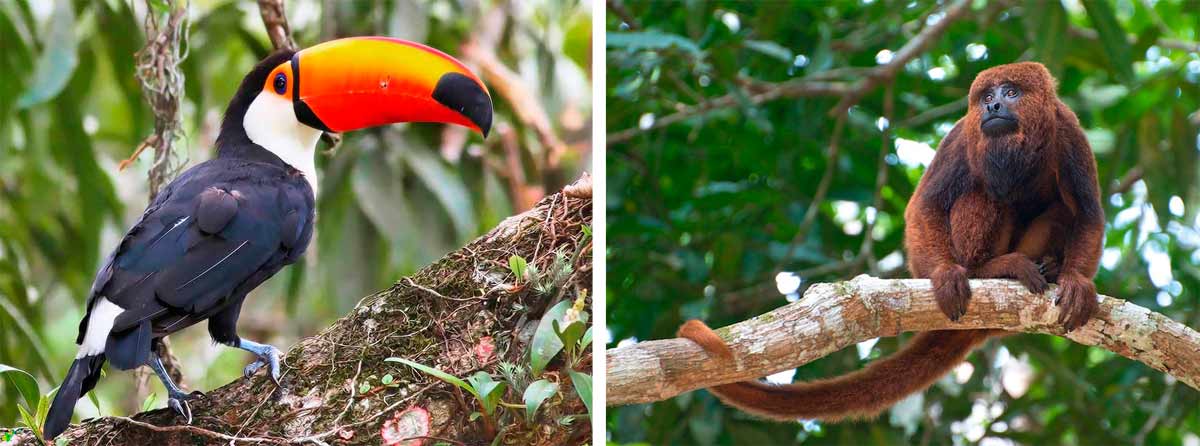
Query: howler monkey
(1011,193)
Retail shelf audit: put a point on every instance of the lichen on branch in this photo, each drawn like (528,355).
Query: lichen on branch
(832,316)
(463,314)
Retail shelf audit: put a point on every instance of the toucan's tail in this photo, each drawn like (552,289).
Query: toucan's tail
(861,394)
(80,379)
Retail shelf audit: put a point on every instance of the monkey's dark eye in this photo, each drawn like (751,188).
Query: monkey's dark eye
(987,98)
(1012,93)
(280,83)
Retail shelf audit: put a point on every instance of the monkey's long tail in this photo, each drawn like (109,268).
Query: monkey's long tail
(861,394)
(80,379)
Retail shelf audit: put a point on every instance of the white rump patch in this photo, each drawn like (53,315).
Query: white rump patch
(99,325)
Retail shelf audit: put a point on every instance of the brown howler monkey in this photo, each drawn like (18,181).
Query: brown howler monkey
(1011,193)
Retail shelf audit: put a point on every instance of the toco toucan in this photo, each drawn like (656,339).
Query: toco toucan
(227,225)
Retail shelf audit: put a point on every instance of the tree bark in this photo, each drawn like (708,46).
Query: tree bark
(462,314)
(832,316)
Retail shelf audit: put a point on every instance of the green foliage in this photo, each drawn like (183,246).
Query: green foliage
(519,267)
(487,391)
(35,407)
(564,326)
(391,200)
(702,211)
(546,344)
(535,394)
(583,387)
(25,383)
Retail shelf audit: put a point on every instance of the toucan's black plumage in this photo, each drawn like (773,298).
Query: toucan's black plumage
(213,234)
(218,231)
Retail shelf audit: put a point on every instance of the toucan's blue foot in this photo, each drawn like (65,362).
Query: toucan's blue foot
(178,398)
(268,356)
(179,402)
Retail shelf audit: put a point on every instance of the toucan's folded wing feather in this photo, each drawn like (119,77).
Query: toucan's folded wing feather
(197,243)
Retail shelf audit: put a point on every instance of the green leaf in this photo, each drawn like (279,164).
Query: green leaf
(518,266)
(29,420)
(546,344)
(586,340)
(1050,19)
(159,6)
(447,185)
(577,40)
(583,387)
(570,335)
(474,416)
(650,40)
(25,384)
(57,61)
(43,409)
(1112,38)
(364,388)
(771,49)
(95,402)
(535,394)
(387,379)
(487,390)
(148,403)
(437,374)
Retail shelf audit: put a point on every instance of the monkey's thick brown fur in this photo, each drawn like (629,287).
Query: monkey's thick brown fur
(1023,204)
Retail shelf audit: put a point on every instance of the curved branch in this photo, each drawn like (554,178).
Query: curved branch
(915,47)
(457,314)
(832,316)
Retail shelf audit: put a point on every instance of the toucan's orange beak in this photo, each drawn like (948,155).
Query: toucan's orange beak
(360,82)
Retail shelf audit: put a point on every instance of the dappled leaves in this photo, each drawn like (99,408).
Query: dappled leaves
(702,212)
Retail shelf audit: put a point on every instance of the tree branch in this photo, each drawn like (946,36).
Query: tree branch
(832,316)
(480,51)
(275,19)
(462,314)
(910,50)
(798,88)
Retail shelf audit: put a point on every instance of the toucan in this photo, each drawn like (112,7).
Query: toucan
(226,225)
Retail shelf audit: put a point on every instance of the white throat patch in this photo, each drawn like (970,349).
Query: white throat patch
(271,122)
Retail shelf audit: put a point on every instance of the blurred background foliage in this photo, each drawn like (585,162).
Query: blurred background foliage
(720,121)
(391,200)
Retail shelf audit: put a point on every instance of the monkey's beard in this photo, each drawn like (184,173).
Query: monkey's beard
(1009,167)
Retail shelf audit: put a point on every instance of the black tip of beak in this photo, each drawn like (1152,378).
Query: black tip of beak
(463,95)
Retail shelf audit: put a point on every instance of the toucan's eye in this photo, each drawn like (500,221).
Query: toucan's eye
(280,83)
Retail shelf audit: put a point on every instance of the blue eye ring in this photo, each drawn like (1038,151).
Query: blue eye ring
(280,83)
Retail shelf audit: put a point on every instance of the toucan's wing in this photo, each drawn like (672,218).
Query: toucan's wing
(205,235)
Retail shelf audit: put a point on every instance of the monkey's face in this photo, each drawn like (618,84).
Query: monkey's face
(998,116)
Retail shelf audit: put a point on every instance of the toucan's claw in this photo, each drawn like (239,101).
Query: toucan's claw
(179,403)
(268,356)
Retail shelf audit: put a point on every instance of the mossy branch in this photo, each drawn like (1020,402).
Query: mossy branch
(461,314)
(832,316)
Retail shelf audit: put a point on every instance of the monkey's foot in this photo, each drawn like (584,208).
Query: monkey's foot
(268,356)
(951,290)
(179,403)
(1014,266)
(1076,300)
(1028,273)
(1049,267)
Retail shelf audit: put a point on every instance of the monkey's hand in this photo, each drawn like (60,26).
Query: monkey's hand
(951,290)
(1076,300)
(1049,267)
